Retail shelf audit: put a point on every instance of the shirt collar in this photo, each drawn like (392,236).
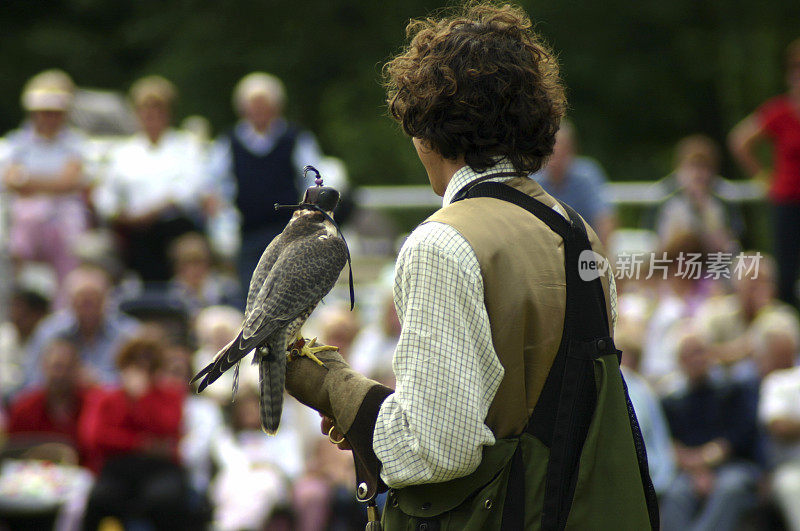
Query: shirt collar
(466,175)
(103,331)
(30,134)
(163,140)
(248,133)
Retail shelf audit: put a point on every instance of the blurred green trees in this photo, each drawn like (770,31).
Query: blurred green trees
(639,75)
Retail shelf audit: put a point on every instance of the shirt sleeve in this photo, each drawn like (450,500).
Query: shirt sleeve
(777,399)
(220,169)
(594,184)
(14,148)
(107,195)
(192,184)
(25,415)
(77,146)
(46,331)
(612,297)
(654,428)
(662,462)
(447,372)
(770,115)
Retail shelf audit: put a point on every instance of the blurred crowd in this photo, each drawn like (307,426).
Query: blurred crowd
(709,331)
(130,273)
(130,269)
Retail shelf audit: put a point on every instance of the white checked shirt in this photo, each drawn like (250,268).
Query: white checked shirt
(431,429)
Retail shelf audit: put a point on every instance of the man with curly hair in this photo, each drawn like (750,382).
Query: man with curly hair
(479,432)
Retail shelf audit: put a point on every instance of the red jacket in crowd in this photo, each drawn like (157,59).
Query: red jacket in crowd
(115,423)
(30,417)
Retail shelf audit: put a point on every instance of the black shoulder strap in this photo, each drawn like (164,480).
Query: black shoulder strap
(588,302)
(564,411)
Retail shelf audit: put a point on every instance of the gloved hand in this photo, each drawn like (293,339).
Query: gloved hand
(351,400)
(334,390)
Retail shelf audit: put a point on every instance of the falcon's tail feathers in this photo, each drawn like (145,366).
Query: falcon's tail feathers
(235,386)
(272,376)
(224,360)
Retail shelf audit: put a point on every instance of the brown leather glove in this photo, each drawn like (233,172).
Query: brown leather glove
(351,400)
(335,390)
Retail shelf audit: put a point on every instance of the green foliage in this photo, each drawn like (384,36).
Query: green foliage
(640,75)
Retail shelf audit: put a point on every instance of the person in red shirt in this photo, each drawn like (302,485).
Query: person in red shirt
(50,413)
(132,433)
(778,121)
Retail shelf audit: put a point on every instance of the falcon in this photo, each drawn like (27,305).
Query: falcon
(298,268)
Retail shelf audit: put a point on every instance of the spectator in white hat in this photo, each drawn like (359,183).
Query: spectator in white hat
(45,175)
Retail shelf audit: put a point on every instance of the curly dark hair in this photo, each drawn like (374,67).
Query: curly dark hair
(481,84)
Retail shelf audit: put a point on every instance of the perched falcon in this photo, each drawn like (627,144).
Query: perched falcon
(298,268)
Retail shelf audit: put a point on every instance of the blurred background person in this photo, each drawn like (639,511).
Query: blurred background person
(730,321)
(43,441)
(214,327)
(776,347)
(27,307)
(324,497)
(251,493)
(678,291)
(713,424)
(693,207)
(337,325)
(153,186)
(45,173)
(49,413)
(91,321)
(195,278)
(132,433)
(777,121)
(653,423)
(206,446)
(578,181)
(260,163)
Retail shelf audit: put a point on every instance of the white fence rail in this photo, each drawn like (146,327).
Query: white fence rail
(620,193)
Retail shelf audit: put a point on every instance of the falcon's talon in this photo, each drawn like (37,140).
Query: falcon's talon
(305,347)
(311,351)
(313,357)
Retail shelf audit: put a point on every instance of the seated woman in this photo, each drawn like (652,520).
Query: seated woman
(45,177)
(153,186)
(132,432)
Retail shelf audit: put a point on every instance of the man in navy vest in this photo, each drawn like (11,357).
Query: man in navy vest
(260,163)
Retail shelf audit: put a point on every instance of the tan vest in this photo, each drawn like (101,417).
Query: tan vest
(522,265)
